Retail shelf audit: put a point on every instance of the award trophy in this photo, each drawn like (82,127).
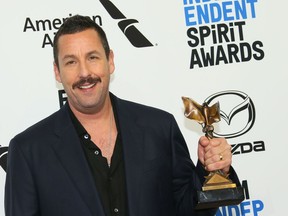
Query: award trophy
(218,189)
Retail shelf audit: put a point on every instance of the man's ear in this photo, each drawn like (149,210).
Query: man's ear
(111,62)
(57,72)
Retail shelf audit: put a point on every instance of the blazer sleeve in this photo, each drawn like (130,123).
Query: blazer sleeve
(20,195)
(187,178)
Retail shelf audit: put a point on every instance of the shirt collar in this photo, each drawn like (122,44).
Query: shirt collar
(81,131)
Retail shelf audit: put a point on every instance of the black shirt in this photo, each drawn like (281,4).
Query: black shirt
(109,181)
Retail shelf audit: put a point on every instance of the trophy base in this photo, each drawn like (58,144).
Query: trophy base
(221,197)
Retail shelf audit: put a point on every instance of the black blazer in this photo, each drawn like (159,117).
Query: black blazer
(48,173)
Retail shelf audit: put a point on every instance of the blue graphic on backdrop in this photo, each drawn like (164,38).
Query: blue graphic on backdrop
(248,207)
(216,32)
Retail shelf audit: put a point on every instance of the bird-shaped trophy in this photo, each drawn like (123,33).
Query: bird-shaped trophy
(218,190)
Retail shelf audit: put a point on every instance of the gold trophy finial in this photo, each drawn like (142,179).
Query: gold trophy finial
(203,114)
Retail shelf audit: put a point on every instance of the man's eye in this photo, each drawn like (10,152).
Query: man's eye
(93,57)
(70,62)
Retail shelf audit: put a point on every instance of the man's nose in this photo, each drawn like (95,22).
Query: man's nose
(84,70)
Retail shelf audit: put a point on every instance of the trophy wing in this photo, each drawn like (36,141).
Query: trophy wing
(214,113)
(193,110)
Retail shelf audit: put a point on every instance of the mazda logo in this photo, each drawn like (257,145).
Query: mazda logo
(237,113)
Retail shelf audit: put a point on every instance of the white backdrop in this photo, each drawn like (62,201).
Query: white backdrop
(160,74)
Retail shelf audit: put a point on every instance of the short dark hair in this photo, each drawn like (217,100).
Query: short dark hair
(78,23)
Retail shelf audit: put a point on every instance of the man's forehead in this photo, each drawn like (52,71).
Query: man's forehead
(80,40)
(81,34)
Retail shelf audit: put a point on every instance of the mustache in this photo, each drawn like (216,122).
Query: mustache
(86,80)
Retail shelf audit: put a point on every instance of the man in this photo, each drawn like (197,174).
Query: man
(101,155)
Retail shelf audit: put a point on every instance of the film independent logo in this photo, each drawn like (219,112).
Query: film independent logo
(238,118)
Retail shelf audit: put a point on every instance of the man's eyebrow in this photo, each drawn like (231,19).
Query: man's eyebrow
(68,56)
(93,52)
(87,54)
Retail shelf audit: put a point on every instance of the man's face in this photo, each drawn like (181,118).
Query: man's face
(84,70)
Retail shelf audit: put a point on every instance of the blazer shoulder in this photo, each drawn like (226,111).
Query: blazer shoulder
(145,114)
(43,128)
(134,107)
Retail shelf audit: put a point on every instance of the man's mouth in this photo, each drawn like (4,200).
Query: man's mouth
(87,86)
(86,83)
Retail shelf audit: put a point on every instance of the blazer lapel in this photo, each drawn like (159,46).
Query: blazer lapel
(132,139)
(72,157)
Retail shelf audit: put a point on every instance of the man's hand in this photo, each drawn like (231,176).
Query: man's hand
(215,154)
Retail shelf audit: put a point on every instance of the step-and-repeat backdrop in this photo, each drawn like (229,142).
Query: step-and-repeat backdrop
(231,51)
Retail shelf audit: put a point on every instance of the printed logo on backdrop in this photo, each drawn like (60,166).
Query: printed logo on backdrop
(247,207)
(238,115)
(3,157)
(49,27)
(62,97)
(241,106)
(127,26)
(217,32)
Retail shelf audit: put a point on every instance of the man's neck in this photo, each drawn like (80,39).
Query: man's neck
(95,115)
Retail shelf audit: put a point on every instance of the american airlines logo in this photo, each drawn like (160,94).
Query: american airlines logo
(135,37)
(50,26)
